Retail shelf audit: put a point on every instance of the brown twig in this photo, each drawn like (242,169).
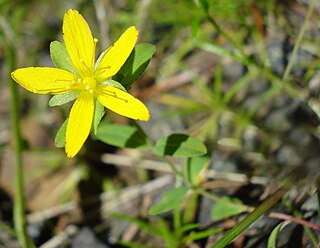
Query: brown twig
(294,219)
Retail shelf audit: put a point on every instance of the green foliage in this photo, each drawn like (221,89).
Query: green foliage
(58,100)
(252,217)
(226,207)
(193,168)
(60,56)
(98,114)
(194,236)
(160,230)
(170,200)
(180,237)
(272,241)
(179,145)
(135,64)
(122,135)
(60,139)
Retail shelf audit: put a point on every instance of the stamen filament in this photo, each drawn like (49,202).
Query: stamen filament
(112,94)
(95,41)
(55,90)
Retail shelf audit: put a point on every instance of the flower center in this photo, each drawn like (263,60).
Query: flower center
(89,84)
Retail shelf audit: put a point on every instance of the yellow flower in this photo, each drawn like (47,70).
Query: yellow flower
(89,80)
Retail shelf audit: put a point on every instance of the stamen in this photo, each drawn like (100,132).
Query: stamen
(112,94)
(106,68)
(72,64)
(85,65)
(95,41)
(55,90)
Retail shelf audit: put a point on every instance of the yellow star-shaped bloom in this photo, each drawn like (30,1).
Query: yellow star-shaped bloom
(88,79)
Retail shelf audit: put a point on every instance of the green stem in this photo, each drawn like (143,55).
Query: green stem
(172,167)
(19,203)
(298,42)
(177,218)
(207,194)
(225,35)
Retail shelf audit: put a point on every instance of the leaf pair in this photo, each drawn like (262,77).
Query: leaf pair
(174,197)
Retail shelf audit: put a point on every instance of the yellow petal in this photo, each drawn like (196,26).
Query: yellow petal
(44,80)
(122,103)
(79,123)
(79,42)
(117,54)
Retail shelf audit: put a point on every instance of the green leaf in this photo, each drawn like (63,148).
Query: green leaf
(60,56)
(98,114)
(122,135)
(135,64)
(213,48)
(179,145)
(205,5)
(142,224)
(193,236)
(187,228)
(60,139)
(169,201)
(241,83)
(272,241)
(58,100)
(226,207)
(194,167)
(195,24)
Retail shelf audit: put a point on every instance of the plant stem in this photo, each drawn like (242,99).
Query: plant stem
(298,42)
(19,203)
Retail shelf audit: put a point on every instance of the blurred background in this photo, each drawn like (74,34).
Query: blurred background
(220,73)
